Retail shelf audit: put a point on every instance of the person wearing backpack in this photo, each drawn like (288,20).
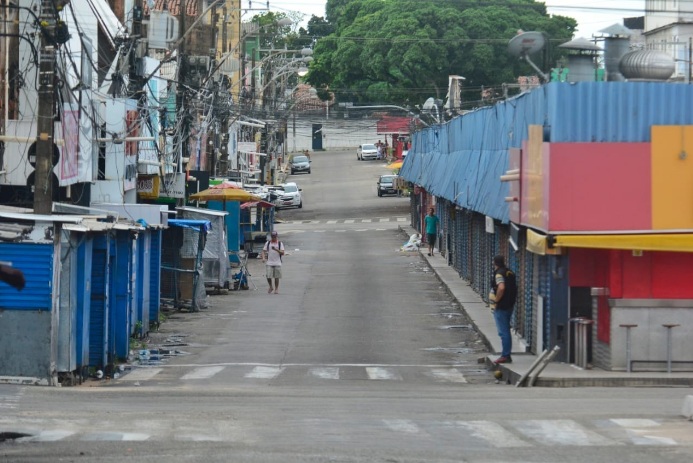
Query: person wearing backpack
(504,285)
(272,253)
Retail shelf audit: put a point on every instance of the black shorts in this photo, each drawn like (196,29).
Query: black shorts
(431,239)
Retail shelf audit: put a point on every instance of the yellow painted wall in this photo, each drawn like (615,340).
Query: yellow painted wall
(534,175)
(672,177)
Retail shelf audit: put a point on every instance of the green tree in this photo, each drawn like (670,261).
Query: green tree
(402,51)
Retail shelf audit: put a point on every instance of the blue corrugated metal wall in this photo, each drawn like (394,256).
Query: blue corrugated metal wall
(121,295)
(99,312)
(155,277)
(36,262)
(144,276)
(84,288)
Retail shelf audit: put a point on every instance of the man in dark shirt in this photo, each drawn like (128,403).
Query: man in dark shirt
(504,286)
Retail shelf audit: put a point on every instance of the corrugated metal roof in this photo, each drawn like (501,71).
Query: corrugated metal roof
(463,159)
(615,111)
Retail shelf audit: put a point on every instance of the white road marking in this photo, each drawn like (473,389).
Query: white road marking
(48,436)
(384,220)
(560,432)
(402,219)
(378,374)
(331,222)
(265,372)
(366,220)
(652,440)
(141,374)
(202,373)
(452,375)
(114,436)
(407,426)
(491,432)
(339,231)
(349,221)
(325,373)
(634,422)
(134,436)
(639,431)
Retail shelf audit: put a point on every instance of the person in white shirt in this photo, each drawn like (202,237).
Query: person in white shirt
(272,254)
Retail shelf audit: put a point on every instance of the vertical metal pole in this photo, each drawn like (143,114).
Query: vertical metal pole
(669,326)
(628,349)
(668,349)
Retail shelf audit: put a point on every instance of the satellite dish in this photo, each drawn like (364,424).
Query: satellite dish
(429,104)
(528,43)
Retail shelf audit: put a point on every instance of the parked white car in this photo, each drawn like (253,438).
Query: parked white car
(290,196)
(366,151)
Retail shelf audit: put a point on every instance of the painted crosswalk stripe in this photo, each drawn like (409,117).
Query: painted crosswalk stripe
(202,373)
(491,432)
(265,372)
(349,221)
(560,432)
(331,222)
(141,374)
(377,373)
(643,431)
(406,426)
(48,436)
(114,436)
(452,375)
(325,373)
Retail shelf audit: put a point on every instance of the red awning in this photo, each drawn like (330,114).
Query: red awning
(262,204)
(394,125)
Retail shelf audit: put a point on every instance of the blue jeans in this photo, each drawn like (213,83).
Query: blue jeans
(502,318)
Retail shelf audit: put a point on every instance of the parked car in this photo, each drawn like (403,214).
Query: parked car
(257,190)
(299,164)
(366,151)
(290,196)
(386,185)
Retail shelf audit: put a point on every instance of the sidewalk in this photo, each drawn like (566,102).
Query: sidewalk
(556,374)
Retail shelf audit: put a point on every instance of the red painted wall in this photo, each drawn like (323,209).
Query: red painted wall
(600,186)
(654,275)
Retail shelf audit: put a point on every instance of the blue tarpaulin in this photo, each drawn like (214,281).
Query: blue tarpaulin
(203,225)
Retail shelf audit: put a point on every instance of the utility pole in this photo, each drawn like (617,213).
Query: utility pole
(43,186)
(182,133)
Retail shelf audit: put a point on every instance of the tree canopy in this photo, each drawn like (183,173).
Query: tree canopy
(402,51)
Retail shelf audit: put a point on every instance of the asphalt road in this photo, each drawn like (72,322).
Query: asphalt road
(361,357)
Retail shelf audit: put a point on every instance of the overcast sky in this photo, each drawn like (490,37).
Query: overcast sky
(591,15)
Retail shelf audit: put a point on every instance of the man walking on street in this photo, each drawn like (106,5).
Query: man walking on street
(431,223)
(504,285)
(272,254)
